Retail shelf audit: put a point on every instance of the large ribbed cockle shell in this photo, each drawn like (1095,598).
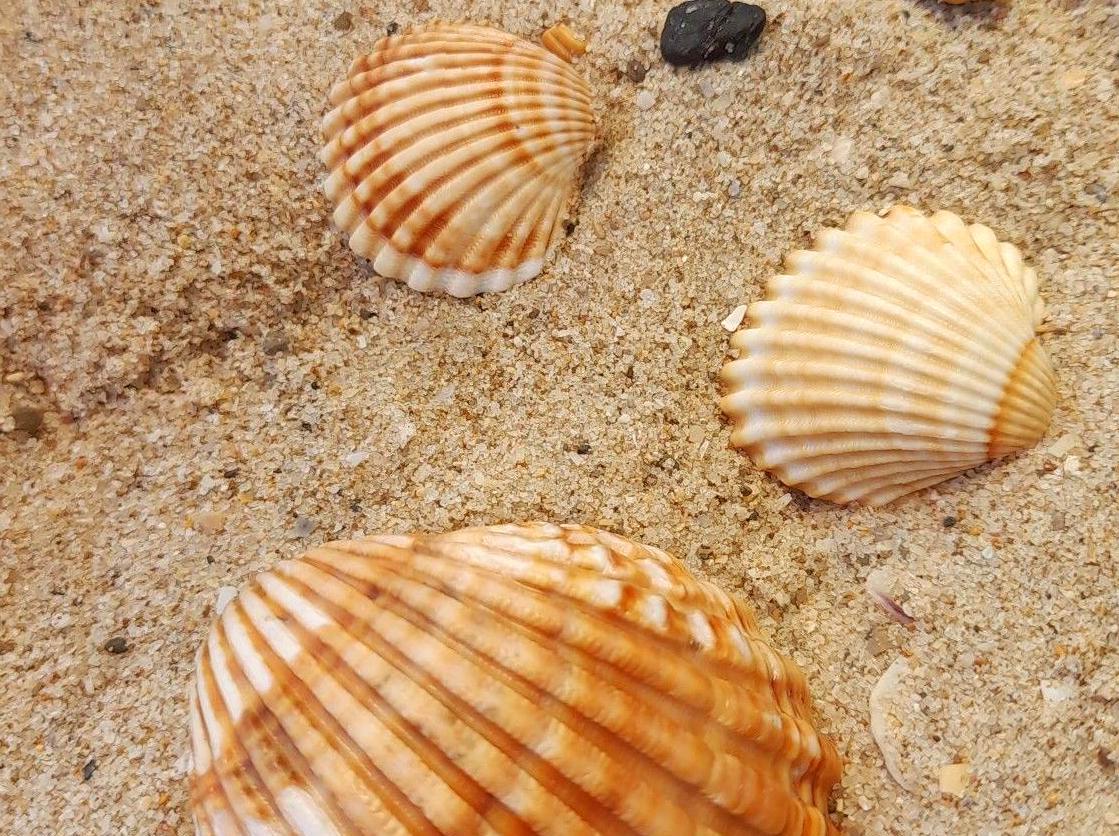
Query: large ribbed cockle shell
(514,679)
(897,353)
(454,151)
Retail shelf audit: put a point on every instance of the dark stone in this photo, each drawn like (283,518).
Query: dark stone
(230,472)
(344,22)
(707,30)
(583,448)
(88,769)
(635,71)
(949,521)
(392,28)
(117,644)
(569,227)
(27,418)
(275,342)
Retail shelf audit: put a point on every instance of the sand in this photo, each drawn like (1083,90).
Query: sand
(221,384)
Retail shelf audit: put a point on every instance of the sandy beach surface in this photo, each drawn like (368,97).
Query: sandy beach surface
(198,379)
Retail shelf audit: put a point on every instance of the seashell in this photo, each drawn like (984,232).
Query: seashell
(513,679)
(453,153)
(897,353)
(561,41)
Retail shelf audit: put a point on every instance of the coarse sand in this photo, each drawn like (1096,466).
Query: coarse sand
(199,379)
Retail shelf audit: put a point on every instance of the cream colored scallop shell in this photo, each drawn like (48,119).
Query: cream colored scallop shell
(453,153)
(897,353)
(513,679)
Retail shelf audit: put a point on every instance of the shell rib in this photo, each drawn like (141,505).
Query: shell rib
(453,153)
(514,679)
(896,354)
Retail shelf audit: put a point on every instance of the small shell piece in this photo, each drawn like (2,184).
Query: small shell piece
(514,679)
(453,153)
(560,40)
(897,353)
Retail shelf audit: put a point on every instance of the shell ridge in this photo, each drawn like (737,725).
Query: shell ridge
(492,189)
(542,771)
(421,40)
(393,805)
(575,716)
(402,137)
(769,315)
(815,467)
(254,789)
(382,109)
(920,268)
(840,482)
(1030,381)
(422,60)
(716,665)
(514,567)
(780,377)
(211,780)
(708,665)
(780,449)
(469,180)
(435,568)
(250,761)
(787,346)
(860,419)
(517,241)
(889,288)
(445,774)
(957,246)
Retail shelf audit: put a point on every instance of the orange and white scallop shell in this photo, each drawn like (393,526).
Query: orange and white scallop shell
(455,153)
(512,679)
(897,353)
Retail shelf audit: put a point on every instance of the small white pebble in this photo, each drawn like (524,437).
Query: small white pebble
(900,180)
(444,395)
(225,595)
(648,297)
(732,322)
(645,100)
(1057,691)
(841,150)
(735,188)
(782,501)
(1064,445)
(159,266)
(355,458)
(302,528)
(1072,465)
(954,778)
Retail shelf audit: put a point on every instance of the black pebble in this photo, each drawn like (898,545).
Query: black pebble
(583,448)
(88,769)
(117,644)
(949,521)
(392,28)
(706,30)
